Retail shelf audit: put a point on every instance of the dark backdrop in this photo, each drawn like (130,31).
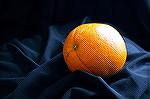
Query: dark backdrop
(26,17)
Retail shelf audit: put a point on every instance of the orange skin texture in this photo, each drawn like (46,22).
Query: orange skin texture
(95,48)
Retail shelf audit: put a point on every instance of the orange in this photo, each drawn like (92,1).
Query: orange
(95,48)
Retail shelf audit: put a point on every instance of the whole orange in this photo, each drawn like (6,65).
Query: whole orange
(95,48)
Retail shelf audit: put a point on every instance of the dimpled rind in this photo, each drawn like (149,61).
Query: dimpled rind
(100,49)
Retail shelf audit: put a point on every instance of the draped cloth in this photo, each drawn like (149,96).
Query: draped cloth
(34,68)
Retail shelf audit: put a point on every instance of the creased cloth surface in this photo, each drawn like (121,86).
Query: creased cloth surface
(34,68)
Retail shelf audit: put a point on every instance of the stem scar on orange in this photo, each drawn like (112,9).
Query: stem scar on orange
(95,48)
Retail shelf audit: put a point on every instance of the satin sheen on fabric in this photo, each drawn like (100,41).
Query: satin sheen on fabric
(34,68)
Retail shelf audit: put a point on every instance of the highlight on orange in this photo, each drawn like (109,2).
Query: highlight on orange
(95,48)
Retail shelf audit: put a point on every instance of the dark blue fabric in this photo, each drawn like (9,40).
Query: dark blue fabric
(34,68)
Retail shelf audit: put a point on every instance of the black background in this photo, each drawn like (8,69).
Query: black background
(26,17)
